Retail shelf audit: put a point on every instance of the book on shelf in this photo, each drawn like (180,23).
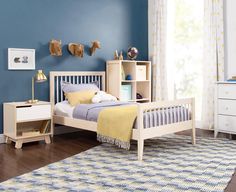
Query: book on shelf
(233,80)
(30,133)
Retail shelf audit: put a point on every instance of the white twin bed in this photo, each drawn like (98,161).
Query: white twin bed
(154,119)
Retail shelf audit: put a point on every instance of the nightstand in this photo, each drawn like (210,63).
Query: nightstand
(24,122)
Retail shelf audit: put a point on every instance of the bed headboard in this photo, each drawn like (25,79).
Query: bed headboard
(75,77)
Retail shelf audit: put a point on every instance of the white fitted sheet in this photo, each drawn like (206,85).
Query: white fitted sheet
(64,109)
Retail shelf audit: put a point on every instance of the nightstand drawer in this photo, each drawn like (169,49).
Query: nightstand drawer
(34,112)
(226,91)
(227,123)
(226,107)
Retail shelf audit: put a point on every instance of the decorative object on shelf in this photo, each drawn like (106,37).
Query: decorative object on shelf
(141,72)
(21,59)
(116,56)
(128,77)
(76,49)
(95,45)
(38,78)
(126,93)
(121,56)
(132,53)
(139,96)
(55,47)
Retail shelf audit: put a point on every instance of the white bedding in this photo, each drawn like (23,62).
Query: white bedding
(64,109)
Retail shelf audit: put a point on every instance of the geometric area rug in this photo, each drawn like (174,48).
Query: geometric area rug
(170,164)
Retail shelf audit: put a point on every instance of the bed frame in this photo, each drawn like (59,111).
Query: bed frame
(139,134)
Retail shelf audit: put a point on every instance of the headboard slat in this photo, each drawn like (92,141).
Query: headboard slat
(57,91)
(61,99)
(75,77)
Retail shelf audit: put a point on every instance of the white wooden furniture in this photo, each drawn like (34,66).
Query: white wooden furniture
(25,122)
(138,133)
(225,107)
(140,72)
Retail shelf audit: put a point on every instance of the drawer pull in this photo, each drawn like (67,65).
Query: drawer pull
(226,108)
(26,106)
(226,124)
(226,92)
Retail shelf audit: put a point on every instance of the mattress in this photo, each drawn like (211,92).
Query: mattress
(90,112)
(64,109)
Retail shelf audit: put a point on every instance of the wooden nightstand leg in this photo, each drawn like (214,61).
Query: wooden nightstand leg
(18,144)
(47,139)
(52,128)
(8,141)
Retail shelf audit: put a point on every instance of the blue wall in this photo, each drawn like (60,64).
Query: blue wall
(117,24)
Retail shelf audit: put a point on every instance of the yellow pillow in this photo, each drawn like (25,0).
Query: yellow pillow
(80,97)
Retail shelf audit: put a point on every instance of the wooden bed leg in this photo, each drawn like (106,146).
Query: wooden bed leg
(215,133)
(140,149)
(193,136)
(193,123)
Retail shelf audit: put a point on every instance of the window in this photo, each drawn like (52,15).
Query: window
(185,50)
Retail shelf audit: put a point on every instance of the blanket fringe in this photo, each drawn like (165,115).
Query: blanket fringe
(117,142)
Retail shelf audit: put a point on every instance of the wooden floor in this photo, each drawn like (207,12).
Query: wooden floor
(14,162)
(35,155)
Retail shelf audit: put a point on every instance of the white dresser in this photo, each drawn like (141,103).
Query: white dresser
(225,107)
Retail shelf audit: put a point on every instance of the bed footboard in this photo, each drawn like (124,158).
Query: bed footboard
(164,117)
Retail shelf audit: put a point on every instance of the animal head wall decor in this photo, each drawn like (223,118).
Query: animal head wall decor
(55,47)
(95,45)
(76,49)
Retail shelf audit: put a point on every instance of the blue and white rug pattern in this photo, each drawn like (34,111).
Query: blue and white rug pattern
(171,164)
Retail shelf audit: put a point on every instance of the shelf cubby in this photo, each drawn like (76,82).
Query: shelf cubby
(140,81)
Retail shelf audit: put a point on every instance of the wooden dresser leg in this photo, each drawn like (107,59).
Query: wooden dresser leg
(215,133)
(8,141)
(18,144)
(47,139)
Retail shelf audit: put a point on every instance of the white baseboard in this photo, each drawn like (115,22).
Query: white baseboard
(2,138)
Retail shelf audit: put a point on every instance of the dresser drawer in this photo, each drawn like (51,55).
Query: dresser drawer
(226,107)
(34,112)
(227,91)
(227,123)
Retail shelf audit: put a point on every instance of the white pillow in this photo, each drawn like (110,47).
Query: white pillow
(102,96)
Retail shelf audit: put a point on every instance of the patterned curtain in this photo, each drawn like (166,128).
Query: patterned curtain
(213,66)
(157,47)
